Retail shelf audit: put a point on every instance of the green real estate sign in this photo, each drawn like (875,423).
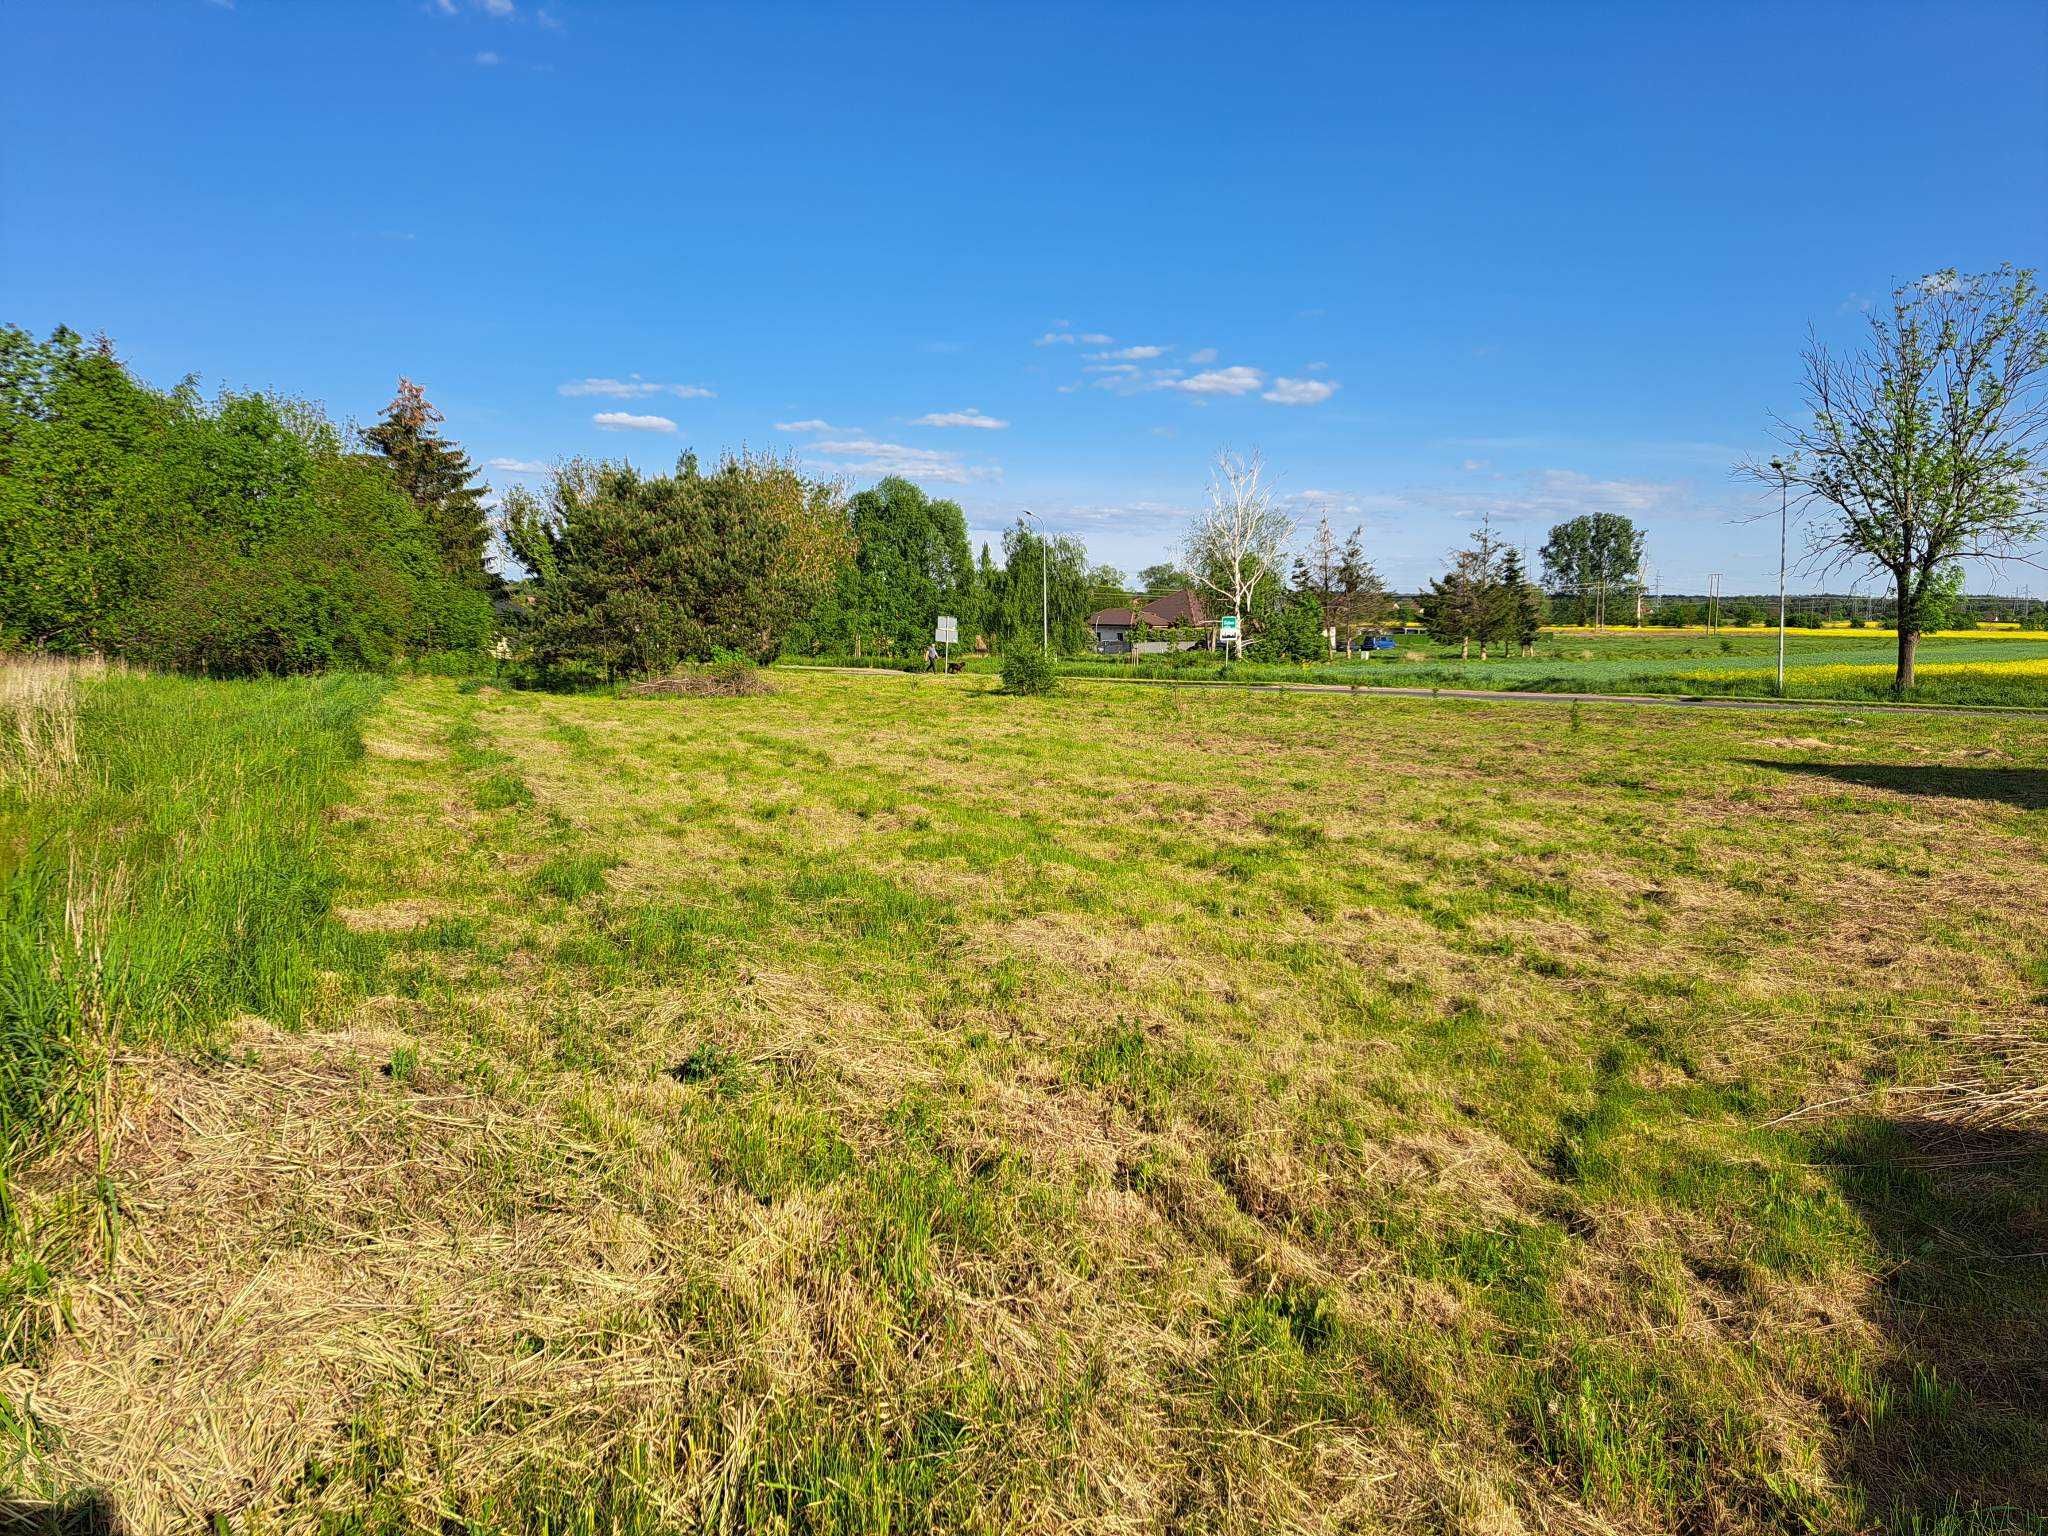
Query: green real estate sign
(1226,627)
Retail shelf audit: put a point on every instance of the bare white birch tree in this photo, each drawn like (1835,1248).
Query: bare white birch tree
(1238,541)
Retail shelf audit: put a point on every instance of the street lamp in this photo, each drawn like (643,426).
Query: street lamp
(1044,588)
(1784,494)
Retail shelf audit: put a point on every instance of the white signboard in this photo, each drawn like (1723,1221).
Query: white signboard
(1226,627)
(949,630)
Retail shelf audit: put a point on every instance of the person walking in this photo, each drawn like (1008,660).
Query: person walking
(931,657)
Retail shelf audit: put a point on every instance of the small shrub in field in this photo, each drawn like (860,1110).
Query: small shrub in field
(501,790)
(404,1065)
(1027,669)
(572,876)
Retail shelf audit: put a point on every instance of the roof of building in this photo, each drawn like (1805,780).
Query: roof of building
(1176,608)
(1114,618)
(1162,612)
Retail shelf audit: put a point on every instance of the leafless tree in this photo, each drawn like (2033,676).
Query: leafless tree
(1926,446)
(1236,543)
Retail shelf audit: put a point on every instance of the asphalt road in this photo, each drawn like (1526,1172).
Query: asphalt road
(1503,696)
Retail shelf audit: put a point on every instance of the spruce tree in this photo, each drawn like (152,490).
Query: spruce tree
(1361,601)
(1521,603)
(437,476)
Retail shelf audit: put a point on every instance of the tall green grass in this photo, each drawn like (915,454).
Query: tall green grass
(167,877)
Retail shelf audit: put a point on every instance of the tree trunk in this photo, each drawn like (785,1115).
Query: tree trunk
(1465,653)
(1909,642)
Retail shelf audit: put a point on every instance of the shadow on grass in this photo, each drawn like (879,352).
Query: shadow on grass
(88,1515)
(2026,788)
(1954,1436)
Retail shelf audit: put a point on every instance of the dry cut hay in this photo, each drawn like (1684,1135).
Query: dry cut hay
(720,680)
(302,1232)
(1998,1082)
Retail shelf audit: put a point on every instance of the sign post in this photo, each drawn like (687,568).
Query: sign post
(1226,631)
(949,633)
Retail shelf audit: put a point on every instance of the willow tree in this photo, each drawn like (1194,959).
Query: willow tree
(1925,446)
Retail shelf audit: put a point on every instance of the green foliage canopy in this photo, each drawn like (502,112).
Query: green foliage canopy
(1592,565)
(911,563)
(634,573)
(235,538)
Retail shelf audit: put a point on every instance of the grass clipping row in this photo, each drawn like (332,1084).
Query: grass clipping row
(719,680)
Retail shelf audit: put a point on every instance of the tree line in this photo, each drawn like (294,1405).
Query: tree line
(242,534)
(250,533)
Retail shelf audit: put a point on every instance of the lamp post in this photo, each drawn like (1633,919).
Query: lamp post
(1044,588)
(1783,497)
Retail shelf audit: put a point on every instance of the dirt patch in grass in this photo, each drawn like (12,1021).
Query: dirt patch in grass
(406,916)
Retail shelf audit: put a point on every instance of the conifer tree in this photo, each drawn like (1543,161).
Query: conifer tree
(437,475)
(1521,603)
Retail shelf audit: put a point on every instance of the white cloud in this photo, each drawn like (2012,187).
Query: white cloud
(496,7)
(1548,495)
(1055,339)
(1299,391)
(1472,464)
(1153,518)
(518,466)
(626,421)
(1132,354)
(1205,355)
(616,389)
(1096,338)
(1315,367)
(633,387)
(488,59)
(967,418)
(1236,380)
(811,424)
(863,455)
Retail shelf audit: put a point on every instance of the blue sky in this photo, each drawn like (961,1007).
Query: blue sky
(1437,262)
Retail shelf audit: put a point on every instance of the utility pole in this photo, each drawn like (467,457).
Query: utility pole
(1784,494)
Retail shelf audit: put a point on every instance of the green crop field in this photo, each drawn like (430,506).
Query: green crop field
(889,1105)
(1991,667)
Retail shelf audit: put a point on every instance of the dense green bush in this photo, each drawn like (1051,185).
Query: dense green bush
(634,573)
(1296,633)
(1028,669)
(238,537)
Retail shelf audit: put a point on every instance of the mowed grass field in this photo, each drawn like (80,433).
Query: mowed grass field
(888,1105)
(1979,667)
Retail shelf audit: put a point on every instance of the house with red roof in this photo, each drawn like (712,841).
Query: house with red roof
(1112,627)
